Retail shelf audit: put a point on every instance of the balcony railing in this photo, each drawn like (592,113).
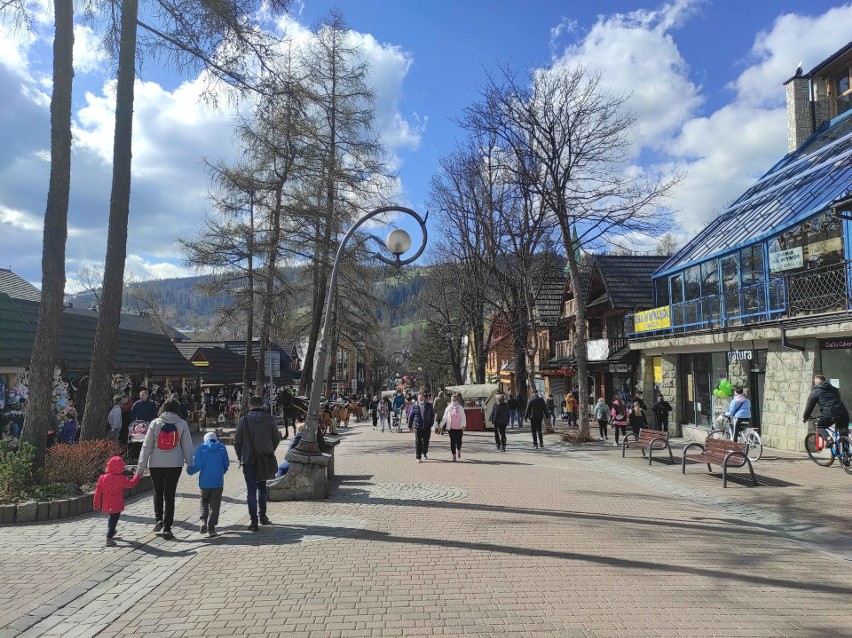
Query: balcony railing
(825,289)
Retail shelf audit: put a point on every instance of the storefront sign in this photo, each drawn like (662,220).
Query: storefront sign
(658,369)
(617,368)
(785,260)
(836,344)
(826,246)
(740,355)
(654,319)
(200,364)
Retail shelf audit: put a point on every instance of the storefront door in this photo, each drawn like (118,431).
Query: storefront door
(758,379)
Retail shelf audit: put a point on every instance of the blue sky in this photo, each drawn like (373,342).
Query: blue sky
(705,77)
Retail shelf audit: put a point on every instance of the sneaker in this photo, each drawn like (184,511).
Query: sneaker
(459,455)
(204,528)
(264,520)
(253,526)
(454,458)
(158,526)
(211,532)
(419,460)
(425,458)
(503,449)
(167,534)
(536,445)
(111,542)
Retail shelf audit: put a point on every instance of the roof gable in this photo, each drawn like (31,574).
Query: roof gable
(17,287)
(627,278)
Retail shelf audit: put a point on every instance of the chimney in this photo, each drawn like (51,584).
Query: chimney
(800,119)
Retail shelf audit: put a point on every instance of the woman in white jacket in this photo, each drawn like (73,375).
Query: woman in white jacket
(165,457)
(454,418)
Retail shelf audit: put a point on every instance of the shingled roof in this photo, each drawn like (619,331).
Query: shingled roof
(137,351)
(627,278)
(548,300)
(224,367)
(17,287)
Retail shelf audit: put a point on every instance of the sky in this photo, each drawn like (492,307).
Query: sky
(704,78)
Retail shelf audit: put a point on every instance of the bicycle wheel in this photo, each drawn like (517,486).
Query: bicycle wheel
(822,456)
(755,445)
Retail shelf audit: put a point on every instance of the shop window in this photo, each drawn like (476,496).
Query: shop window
(836,366)
(676,284)
(730,268)
(661,292)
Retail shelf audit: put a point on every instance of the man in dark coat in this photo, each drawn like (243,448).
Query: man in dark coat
(421,417)
(831,407)
(257,433)
(144,409)
(536,411)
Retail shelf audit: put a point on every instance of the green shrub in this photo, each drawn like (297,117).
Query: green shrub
(80,464)
(16,472)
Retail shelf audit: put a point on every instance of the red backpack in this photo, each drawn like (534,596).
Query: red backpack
(167,438)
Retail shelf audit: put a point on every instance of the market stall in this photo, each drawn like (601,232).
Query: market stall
(478,399)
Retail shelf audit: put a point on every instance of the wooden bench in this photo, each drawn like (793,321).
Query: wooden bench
(720,452)
(649,440)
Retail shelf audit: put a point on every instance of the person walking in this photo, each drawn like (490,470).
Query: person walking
(421,418)
(374,407)
(536,411)
(513,410)
(499,420)
(551,409)
(211,462)
(114,420)
(454,418)
(602,416)
(383,409)
(440,407)
(618,417)
(257,433)
(145,409)
(661,410)
(167,446)
(109,494)
(522,406)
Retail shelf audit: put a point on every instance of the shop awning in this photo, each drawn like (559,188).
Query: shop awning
(625,355)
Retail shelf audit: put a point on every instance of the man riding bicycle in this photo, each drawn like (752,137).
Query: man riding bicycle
(738,411)
(831,407)
(396,408)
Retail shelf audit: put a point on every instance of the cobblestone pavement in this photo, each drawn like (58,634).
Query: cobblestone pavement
(561,541)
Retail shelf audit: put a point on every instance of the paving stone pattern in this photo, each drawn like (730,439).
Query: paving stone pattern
(554,542)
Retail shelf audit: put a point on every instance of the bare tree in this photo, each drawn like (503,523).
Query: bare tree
(574,140)
(217,36)
(46,346)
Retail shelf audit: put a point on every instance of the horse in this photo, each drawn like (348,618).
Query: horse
(292,409)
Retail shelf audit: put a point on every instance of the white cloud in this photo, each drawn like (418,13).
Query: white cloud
(89,55)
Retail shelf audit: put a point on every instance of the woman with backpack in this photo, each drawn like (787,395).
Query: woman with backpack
(619,415)
(167,447)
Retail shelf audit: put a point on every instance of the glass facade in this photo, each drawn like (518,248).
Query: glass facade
(700,374)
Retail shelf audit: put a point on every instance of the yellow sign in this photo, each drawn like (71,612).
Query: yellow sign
(654,319)
(200,364)
(658,369)
(826,246)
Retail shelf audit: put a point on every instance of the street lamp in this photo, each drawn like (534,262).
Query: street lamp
(398,242)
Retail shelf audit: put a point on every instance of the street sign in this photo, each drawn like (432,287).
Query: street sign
(272,364)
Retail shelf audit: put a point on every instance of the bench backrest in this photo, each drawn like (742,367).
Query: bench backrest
(723,446)
(646,436)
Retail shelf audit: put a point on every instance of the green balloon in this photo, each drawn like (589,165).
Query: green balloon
(717,394)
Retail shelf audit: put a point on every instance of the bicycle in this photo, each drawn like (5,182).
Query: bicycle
(824,445)
(745,434)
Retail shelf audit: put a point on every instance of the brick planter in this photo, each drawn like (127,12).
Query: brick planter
(33,511)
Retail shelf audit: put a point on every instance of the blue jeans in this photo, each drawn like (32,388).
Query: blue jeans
(256,495)
(513,414)
(112,523)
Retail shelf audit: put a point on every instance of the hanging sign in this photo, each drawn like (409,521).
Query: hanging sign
(654,319)
(790,259)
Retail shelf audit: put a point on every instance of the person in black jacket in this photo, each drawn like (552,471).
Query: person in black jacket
(831,407)
(661,409)
(536,411)
(421,417)
(513,409)
(499,420)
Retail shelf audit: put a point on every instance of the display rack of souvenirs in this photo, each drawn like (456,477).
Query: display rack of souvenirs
(14,399)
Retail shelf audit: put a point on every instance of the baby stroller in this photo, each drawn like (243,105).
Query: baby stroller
(136,432)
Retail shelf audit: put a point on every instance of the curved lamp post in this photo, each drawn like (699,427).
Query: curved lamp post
(398,242)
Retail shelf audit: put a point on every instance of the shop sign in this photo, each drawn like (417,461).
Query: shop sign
(786,259)
(836,344)
(826,246)
(654,319)
(622,368)
(740,355)
(658,369)
(200,364)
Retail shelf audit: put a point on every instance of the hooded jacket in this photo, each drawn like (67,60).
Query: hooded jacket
(211,460)
(109,493)
(153,456)
(828,398)
(259,429)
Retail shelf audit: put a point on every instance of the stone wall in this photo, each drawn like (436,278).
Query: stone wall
(799,120)
(789,377)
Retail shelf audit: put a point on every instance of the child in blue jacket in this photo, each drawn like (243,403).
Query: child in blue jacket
(211,460)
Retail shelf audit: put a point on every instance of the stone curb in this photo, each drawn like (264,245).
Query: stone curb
(39,511)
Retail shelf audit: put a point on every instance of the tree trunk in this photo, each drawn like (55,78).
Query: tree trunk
(46,347)
(579,335)
(271,264)
(100,383)
(249,311)
(333,341)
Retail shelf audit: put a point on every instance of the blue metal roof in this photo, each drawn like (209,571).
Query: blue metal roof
(804,183)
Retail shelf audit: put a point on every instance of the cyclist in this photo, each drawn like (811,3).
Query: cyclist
(831,407)
(396,408)
(738,411)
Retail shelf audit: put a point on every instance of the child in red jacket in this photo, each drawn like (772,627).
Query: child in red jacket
(109,494)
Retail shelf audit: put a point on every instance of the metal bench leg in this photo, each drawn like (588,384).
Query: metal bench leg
(710,469)
(650,453)
(725,473)
(671,456)
(751,469)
